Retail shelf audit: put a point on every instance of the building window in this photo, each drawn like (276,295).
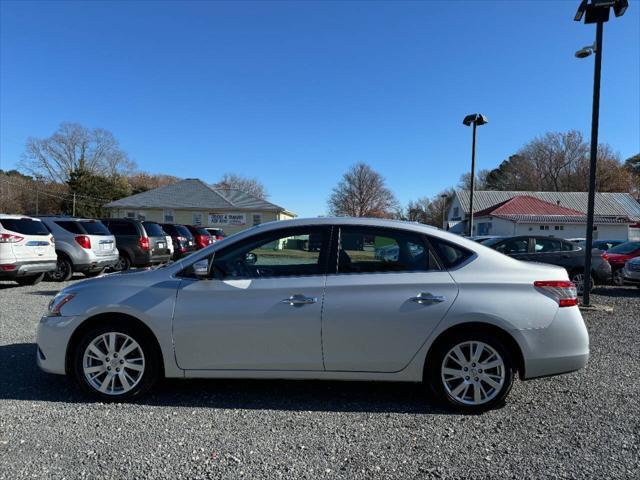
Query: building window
(544,227)
(559,227)
(131,214)
(197,219)
(257,219)
(168,216)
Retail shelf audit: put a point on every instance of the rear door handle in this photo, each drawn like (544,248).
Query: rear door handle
(427,299)
(299,300)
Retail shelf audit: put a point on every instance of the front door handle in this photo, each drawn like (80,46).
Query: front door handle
(427,299)
(299,300)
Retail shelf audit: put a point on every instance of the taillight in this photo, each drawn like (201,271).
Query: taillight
(605,256)
(9,238)
(7,268)
(144,243)
(53,240)
(563,291)
(83,241)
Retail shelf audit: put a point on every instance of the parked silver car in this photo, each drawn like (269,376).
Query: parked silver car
(448,311)
(631,272)
(82,245)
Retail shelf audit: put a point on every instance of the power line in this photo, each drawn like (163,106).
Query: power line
(63,196)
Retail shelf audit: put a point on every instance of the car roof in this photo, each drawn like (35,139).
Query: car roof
(11,216)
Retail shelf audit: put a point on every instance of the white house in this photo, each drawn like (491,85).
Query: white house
(558,214)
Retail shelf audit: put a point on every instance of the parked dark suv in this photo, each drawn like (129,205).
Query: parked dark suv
(183,241)
(555,251)
(141,244)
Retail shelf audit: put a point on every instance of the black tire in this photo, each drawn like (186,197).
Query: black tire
(63,271)
(124,263)
(30,279)
(152,361)
(94,274)
(577,277)
(617,278)
(433,375)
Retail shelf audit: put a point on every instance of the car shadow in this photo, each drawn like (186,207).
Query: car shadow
(28,382)
(618,292)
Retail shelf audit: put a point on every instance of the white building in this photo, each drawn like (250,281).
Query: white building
(557,214)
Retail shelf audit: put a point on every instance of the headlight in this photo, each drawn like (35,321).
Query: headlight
(58,302)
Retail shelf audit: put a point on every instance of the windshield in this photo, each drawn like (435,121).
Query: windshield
(625,248)
(184,231)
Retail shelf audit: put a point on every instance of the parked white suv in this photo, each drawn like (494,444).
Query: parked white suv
(27,249)
(82,245)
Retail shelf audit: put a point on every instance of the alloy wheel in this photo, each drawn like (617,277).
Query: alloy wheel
(113,363)
(473,373)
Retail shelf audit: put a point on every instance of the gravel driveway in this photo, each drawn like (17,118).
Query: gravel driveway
(582,425)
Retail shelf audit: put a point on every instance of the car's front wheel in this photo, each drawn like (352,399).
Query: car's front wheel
(618,278)
(578,278)
(470,371)
(116,362)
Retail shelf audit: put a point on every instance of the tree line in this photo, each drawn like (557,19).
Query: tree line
(555,161)
(78,170)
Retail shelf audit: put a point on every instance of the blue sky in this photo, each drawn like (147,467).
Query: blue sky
(293,93)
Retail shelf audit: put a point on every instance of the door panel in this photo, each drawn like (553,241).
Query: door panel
(243,324)
(370,322)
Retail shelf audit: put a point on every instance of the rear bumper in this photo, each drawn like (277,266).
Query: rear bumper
(28,268)
(562,347)
(98,264)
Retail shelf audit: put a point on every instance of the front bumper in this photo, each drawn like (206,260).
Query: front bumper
(53,338)
(631,276)
(562,347)
(29,268)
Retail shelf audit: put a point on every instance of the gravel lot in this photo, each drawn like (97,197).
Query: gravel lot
(582,425)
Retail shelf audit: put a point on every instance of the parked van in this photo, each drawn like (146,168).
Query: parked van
(27,249)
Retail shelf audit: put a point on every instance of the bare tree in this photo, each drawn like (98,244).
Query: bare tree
(429,210)
(143,181)
(362,193)
(480,182)
(74,147)
(252,186)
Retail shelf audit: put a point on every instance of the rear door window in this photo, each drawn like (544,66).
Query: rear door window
(154,229)
(547,245)
(25,226)
(449,254)
(378,250)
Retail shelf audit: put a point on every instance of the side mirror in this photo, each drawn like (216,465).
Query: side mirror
(250,258)
(201,268)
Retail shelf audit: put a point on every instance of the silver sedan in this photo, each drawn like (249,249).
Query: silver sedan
(315,299)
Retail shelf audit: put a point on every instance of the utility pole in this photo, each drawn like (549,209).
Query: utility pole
(37,201)
(74,206)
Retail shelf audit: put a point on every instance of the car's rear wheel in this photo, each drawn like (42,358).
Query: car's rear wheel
(578,278)
(30,279)
(618,278)
(63,271)
(470,371)
(94,274)
(124,263)
(116,362)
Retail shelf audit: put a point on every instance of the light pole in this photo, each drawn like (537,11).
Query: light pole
(596,11)
(475,119)
(444,197)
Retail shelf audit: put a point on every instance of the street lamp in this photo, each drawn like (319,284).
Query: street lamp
(474,119)
(594,11)
(444,197)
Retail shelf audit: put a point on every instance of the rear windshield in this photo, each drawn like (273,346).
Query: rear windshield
(201,231)
(153,229)
(94,227)
(26,226)
(216,231)
(625,247)
(184,231)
